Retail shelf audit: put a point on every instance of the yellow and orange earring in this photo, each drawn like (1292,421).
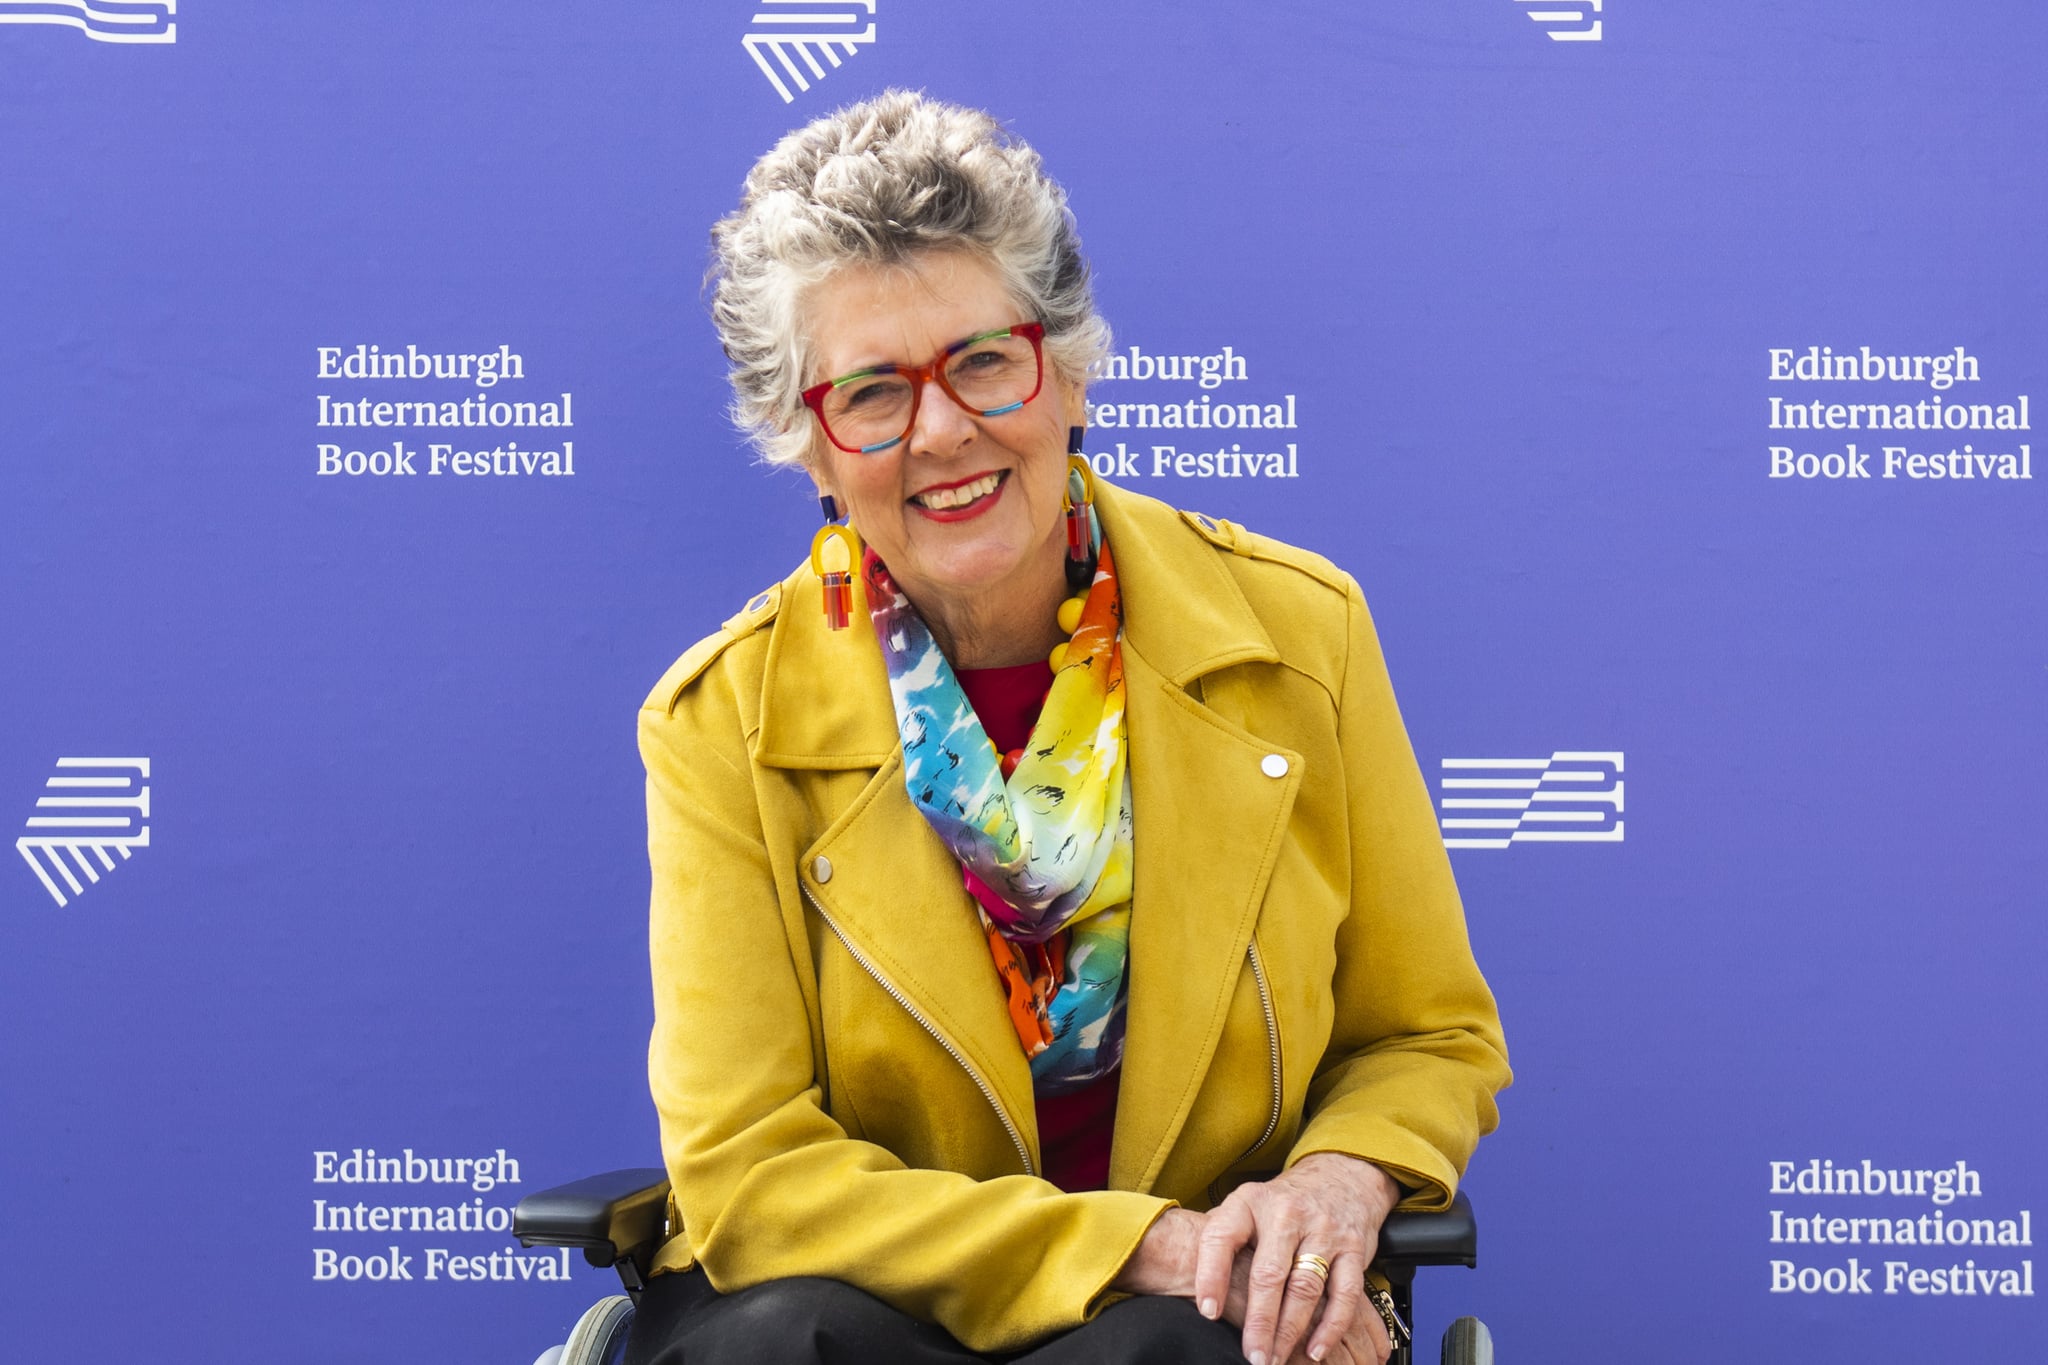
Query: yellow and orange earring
(835,553)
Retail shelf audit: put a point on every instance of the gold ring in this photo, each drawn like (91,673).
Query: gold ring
(1314,1264)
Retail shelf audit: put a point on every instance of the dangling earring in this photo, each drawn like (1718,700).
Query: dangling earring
(835,550)
(1078,503)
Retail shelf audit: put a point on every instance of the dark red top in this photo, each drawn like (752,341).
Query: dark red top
(1073,1129)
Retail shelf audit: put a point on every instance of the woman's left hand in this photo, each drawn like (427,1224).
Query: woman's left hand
(1328,1204)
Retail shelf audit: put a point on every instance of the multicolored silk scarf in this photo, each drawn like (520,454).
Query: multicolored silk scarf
(1048,849)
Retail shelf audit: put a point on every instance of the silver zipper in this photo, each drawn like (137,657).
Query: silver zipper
(1272,1040)
(987,1091)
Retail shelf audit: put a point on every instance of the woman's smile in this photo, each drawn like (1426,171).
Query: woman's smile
(963,499)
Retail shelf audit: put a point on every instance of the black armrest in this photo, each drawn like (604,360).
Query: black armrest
(619,1215)
(1447,1238)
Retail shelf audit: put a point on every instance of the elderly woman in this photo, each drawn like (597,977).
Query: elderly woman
(1054,954)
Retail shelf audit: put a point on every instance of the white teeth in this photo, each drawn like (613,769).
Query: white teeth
(942,499)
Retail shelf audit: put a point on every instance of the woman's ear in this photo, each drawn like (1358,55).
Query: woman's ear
(828,501)
(1076,403)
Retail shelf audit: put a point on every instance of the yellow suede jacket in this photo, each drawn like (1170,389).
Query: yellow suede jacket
(840,1089)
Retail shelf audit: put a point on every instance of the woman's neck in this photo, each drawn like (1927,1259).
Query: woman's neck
(1010,623)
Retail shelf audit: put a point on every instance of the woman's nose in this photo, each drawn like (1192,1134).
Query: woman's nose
(942,427)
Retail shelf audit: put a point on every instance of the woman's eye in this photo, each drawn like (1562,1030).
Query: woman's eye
(981,360)
(867,395)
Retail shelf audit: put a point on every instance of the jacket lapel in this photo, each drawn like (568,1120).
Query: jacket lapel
(894,892)
(1208,821)
(896,897)
(1207,817)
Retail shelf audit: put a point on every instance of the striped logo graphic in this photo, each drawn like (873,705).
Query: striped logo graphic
(789,36)
(90,810)
(1572,797)
(105,21)
(1567,21)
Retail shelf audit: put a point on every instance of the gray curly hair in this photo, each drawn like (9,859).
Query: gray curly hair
(880,182)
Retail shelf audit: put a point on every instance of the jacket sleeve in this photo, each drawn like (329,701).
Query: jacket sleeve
(1415,1054)
(768,1185)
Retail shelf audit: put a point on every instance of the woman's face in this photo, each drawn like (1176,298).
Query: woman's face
(1002,542)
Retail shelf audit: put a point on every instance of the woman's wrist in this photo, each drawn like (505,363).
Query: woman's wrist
(1164,1262)
(1385,1190)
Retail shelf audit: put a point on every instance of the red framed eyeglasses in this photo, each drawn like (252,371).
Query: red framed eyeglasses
(987,374)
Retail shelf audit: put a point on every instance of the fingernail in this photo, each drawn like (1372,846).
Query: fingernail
(1258,1358)
(1208,1308)
(1317,1352)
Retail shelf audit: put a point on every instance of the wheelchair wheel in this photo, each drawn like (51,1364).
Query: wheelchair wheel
(1466,1342)
(599,1337)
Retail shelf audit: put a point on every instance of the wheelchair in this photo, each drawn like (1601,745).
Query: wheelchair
(620,1218)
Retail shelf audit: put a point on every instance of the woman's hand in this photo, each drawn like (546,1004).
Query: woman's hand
(1328,1204)
(1366,1343)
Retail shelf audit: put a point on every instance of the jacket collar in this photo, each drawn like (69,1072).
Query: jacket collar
(825,693)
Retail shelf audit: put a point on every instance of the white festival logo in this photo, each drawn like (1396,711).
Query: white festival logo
(1572,797)
(1553,18)
(781,39)
(105,21)
(97,806)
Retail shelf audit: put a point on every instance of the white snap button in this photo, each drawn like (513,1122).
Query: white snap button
(1273,765)
(821,868)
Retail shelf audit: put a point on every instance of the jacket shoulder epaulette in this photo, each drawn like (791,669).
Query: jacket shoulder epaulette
(1228,535)
(758,612)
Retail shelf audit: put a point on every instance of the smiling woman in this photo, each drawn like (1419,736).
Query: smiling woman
(1053,946)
